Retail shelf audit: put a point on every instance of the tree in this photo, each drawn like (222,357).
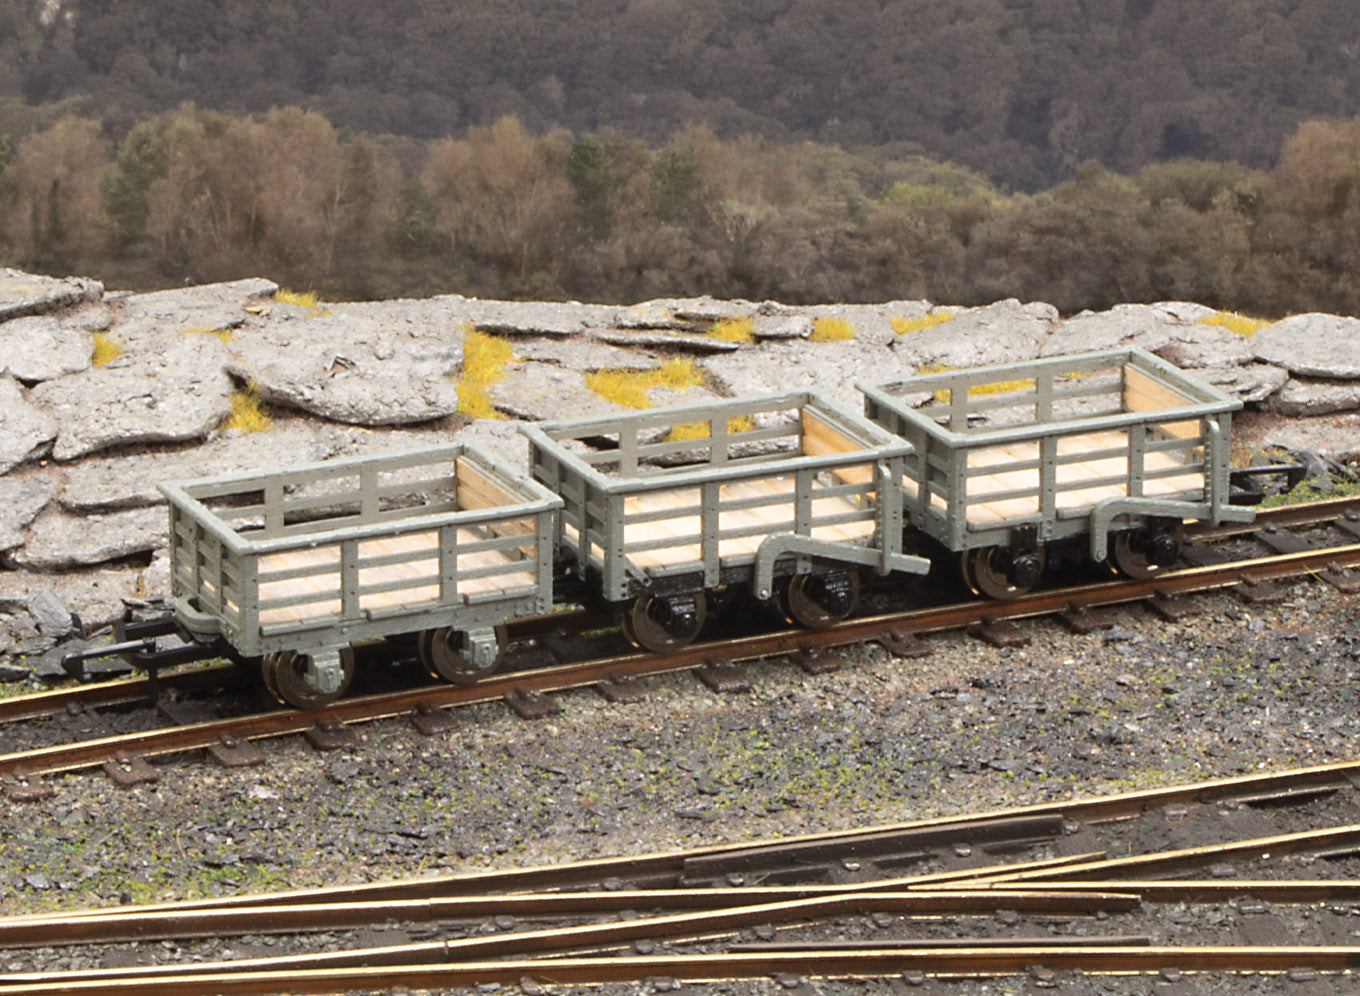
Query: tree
(141,161)
(58,215)
(677,185)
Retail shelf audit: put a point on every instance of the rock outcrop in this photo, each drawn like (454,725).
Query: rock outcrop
(82,445)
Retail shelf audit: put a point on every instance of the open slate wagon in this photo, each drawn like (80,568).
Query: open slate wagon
(1115,448)
(295,566)
(784,494)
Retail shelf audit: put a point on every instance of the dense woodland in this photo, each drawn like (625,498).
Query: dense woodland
(1083,152)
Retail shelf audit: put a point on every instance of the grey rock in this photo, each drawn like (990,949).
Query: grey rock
(872,323)
(172,393)
(498,439)
(20,502)
(26,432)
(582,354)
(689,342)
(1312,345)
(1251,382)
(538,391)
(1302,396)
(1147,326)
(782,327)
(51,616)
(112,483)
(1336,437)
(31,294)
(160,314)
(1194,346)
(96,595)
(40,348)
(351,368)
(830,368)
(516,318)
(1005,332)
(59,541)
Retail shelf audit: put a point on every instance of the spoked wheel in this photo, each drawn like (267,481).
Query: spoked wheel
(445,654)
(818,601)
(988,570)
(656,623)
(1139,553)
(284,674)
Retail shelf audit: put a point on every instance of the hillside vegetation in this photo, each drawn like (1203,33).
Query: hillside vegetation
(963,150)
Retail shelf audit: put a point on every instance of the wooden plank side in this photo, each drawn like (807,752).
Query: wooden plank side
(820,438)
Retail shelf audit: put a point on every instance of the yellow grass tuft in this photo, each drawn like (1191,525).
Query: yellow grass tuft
(1243,325)
(733,330)
(699,430)
(248,412)
(828,329)
(307,300)
(484,361)
(902,325)
(223,333)
(106,349)
(629,387)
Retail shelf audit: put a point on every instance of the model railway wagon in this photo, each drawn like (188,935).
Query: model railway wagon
(1112,450)
(664,515)
(297,566)
(786,495)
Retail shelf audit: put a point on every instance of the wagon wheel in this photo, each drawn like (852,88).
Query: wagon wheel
(645,624)
(444,654)
(987,571)
(802,599)
(283,674)
(1131,552)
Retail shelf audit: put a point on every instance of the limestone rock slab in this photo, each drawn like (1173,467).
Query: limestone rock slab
(582,354)
(59,541)
(539,391)
(654,339)
(174,392)
(1004,332)
(158,314)
(1146,326)
(516,318)
(830,368)
(1194,346)
(1313,345)
(1251,382)
(96,595)
(26,431)
(351,368)
(121,482)
(1304,396)
(32,294)
(1336,437)
(21,499)
(39,347)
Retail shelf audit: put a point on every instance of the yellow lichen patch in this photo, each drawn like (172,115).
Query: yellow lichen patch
(829,329)
(307,300)
(629,387)
(1243,325)
(223,333)
(248,412)
(106,349)
(902,324)
(484,360)
(733,330)
(699,430)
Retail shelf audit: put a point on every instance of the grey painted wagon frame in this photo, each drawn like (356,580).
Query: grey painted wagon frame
(468,545)
(1159,448)
(698,465)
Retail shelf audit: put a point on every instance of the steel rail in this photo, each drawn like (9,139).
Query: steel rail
(114,924)
(553,679)
(708,923)
(664,869)
(1311,890)
(120,691)
(866,963)
(1189,857)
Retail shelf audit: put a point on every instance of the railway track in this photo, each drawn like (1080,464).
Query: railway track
(125,756)
(633,919)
